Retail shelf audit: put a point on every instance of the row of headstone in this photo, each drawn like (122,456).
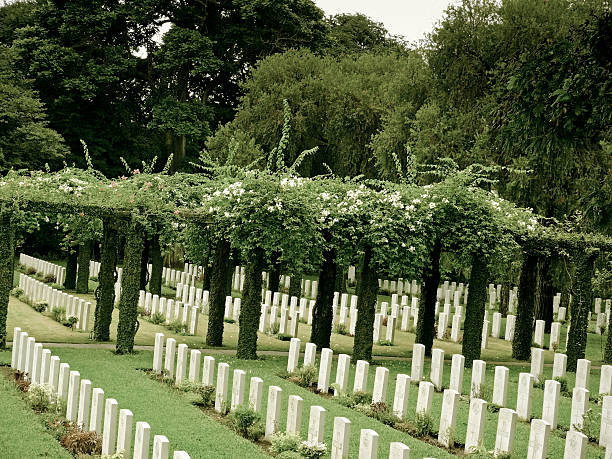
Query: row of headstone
(43,267)
(172,277)
(36,291)
(94,271)
(399,286)
(294,408)
(171,310)
(189,294)
(86,406)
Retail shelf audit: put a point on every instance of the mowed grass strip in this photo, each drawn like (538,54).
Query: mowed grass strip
(22,434)
(166,411)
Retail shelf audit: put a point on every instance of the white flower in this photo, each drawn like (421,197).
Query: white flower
(412,248)
(432,205)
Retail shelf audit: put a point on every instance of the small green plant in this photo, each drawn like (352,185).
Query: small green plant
(40,306)
(341,329)
(273,330)
(282,442)
(385,342)
(49,279)
(70,322)
(176,326)
(58,314)
(591,422)
(227,320)
(207,395)
(142,312)
(355,398)
(243,419)
(17,292)
(424,425)
(188,386)
(81,443)
(284,337)
(157,318)
(42,398)
(305,376)
(30,271)
(312,450)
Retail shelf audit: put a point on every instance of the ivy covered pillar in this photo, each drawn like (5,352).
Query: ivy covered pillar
(544,292)
(82,283)
(274,273)
(322,319)
(144,264)
(130,287)
(105,293)
(157,266)
(250,307)
(608,351)
(474,309)
(427,308)
(295,287)
(218,292)
(366,305)
(7,249)
(523,330)
(71,268)
(582,301)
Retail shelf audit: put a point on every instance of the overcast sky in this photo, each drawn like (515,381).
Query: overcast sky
(410,18)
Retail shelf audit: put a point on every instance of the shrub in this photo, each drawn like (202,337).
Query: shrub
(591,422)
(142,312)
(17,292)
(42,397)
(70,322)
(273,330)
(304,376)
(312,450)
(282,442)
(93,278)
(380,411)
(355,398)
(384,342)
(341,329)
(227,320)
(40,306)
(81,443)
(207,395)
(49,279)
(188,386)
(31,270)
(21,382)
(423,424)
(284,337)
(58,314)
(176,326)
(157,318)
(243,419)
(563,386)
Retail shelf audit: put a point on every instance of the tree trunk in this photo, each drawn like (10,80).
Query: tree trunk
(608,351)
(71,269)
(105,293)
(218,292)
(157,266)
(341,280)
(7,254)
(505,299)
(250,307)
(427,308)
(206,268)
(366,305)
(582,301)
(82,285)
(295,287)
(274,273)
(322,320)
(130,287)
(144,264)
(474,310)
(544,292)
(523,331)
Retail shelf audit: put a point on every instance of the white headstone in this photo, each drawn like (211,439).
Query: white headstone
(448,418)
(361,376)
(580,404)
(478,378)
(222,387)
(341,438)
(400,399)
(437,368)
(142,440)
(325,370)
(109,434)
(368,444)
(275,394)
(238,383)
(456,376)
(418,357)
(538,440)
(425,397)
(255,393)
(342,373)
(506,430)
(316,424)
(84,404)
(476,424)
(124,433)
(524,397)
(500,386)
(294,414)
(380,385)
(97,410)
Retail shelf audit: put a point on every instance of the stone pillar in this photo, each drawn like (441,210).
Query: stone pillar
(208,372)
(255,393)
(380,385)
(559,365)
(580,404)
(142,440)
(181,364)
(400,399)
(294,414)
(476,424)
(583,373)
(510,325)
(238,383)
(448,419)
(124,433)
(506,431)
(63,381)
(500,386)
(342,373)
(368,444)
(341,438)
(275,394)
(110,426)
(97,410)
(537,363)
(316,424)
(170,354)
(424,398)
(222,387)
(550,406)
(524,397)
(418,357)
(325,370)
(84,405)
(456,376)
(294,355)
(479,368)
(538,440)
(310,354)
(538,336)
(45,364)
(73,396)
(158,352)
(361,376)
(555,336)
(437,368)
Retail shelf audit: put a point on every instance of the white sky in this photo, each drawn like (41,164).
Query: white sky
(410,18)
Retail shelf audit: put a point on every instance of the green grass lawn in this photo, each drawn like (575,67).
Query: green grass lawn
(22,435)
(171,413)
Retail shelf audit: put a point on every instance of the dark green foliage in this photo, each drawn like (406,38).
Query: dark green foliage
(274,273)
(157,318)
(207,394)
(82,283)
(218,292)
(582,301)
(130,280)
(523,332)
(144,264)
(366,304)
(7,249)
(427,310)
(105,293)
(250,307)
(474,310)
(322,319)
(608,352)
(71,270)
(155,283)
(295,287)
(243,420)
(304,376)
